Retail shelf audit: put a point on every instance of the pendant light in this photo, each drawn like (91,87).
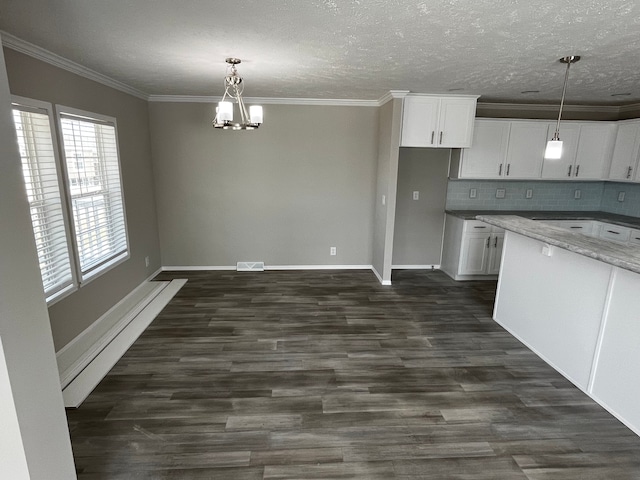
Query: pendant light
(233,87)
(554,146)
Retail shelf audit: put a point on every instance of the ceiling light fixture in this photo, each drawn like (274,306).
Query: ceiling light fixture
(233,87)
(554,146)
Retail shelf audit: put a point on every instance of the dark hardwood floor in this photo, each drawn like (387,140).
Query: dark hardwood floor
(327,374)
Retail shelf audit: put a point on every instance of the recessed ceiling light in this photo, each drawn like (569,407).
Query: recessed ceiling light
(620,94)
(530,91)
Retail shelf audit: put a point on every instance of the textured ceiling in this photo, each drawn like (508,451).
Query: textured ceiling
(347,49)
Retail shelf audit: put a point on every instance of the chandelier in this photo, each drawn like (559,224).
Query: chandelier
(554,146)
(233,87)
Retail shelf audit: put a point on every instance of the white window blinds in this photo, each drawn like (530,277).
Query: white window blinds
(95,191)
(37,152)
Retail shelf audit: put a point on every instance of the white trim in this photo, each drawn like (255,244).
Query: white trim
(79,352)
(82,385)
(391,94)
(382,282)
(318,267)
(545,107)
(196,268)
(628,108)
(266,100)
(415,267)
(51,58)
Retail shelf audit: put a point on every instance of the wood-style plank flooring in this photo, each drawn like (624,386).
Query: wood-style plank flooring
(327,374)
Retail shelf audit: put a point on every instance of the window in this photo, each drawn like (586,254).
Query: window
(95,192)
(40,169)
(77,208)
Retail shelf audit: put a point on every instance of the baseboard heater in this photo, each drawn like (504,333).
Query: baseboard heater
(94,361)
(250,267)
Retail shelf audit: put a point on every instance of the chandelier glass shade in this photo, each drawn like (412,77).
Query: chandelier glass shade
(554,146)
(233,87)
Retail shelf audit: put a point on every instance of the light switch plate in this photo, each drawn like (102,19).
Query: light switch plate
(621,197)
(416,195)
(577,194)
(500,193)
(529,193)
(473,193)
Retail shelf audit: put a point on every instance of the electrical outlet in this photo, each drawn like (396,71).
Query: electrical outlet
(529,193)
(577,194)
(146,261)
(500,193)
(473,193)
(416,195)
(333,251)
(621,197)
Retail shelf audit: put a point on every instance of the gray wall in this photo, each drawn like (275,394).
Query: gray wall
(386,185)
(33,396)
(419,223)
(32,78)
(283,194)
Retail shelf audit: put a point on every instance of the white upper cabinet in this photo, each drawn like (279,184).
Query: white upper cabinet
(487,158)
(624,161)
(437,122)
(527,141)
(594,151)
(586,151)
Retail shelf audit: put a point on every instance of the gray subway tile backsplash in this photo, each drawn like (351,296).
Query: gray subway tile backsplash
(546,196)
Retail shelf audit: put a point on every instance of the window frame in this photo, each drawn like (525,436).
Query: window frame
(97,271)
(46,108)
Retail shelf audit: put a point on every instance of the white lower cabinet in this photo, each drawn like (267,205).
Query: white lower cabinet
(471,249)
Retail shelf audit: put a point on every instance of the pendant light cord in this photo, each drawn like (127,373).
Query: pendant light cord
(556,135)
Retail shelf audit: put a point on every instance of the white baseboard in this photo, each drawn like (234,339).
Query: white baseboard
(318,267)
(173,268)
(379,277)
(415,267)
(195,268)
(89,369)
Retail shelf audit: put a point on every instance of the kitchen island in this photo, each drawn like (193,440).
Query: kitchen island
(575,301)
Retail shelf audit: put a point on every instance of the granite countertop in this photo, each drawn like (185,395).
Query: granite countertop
(622,220)
(623,256)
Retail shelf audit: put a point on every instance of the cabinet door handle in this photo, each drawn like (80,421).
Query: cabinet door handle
(433,134)
(577,170)
(440,138)
(576,227)
(495,243)
(479,227)
(508,168)
(614,232)
(569,172)
(500,171)
(488,241)
(629,170)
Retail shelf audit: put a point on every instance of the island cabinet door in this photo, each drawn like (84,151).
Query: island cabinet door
(616,381)
(474,256)
(495,255)
(527,141)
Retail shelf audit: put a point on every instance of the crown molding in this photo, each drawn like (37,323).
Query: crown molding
(392,94)
(266,100)
(539,107)
(22,46)
(632,107)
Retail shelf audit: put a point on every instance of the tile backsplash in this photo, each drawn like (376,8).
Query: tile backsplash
(631,203)
(544,195)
